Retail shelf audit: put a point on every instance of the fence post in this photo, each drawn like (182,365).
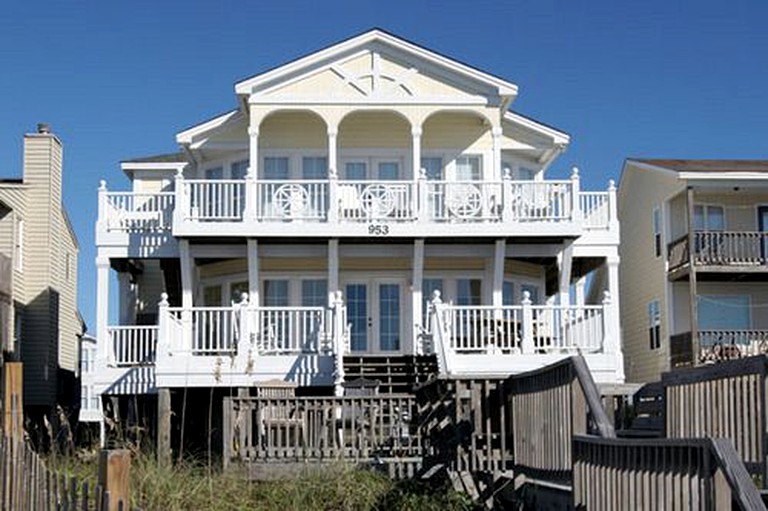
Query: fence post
(164,426)
(115,477)
(527,344)
(102,221)
(440,335)
(613,217)
(163,331)
(575,196)
(13,402)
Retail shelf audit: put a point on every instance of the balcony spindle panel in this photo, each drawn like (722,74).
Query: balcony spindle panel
(363,201)
(550,201)
(464,200)
(216,200)
(292,200)
(133,345)
(139,212)
(595,209)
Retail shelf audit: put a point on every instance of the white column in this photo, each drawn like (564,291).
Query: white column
(580,287)
(253,273)
(499,254)
(417,296)
(332,156)
(564,263)
(613,283)
(251,210)
(496,133)
(416,150)
(102,311)
(333,270)
(186,274)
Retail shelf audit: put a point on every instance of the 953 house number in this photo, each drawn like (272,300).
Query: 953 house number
(378,230)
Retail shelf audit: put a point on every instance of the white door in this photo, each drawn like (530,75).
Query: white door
(375,312)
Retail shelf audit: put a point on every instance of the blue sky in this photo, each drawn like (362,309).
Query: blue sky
(117,80)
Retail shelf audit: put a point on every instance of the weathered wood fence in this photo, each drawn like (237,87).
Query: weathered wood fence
(377,429)
(651,474)
(28,484)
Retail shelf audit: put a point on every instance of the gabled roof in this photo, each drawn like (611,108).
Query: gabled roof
(705,165)
(376,35)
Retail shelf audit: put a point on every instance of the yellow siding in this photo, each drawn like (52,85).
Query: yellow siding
(374,263)
(642,276)
(293,264)
(523,269)
(223,268)
(457,131)
(374,129)
(293,130)
(454,263)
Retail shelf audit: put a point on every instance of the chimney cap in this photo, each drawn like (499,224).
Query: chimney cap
(43,128)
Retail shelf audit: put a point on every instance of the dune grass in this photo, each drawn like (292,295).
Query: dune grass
(191,486)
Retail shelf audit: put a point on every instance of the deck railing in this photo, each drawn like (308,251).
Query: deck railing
(135,211)
(362,201)
(213,331)
(133,345)
(721,248)
(519,329)
(700,473)
(291,200)
(361,428)
(215,200)
(595,210)
(716,345)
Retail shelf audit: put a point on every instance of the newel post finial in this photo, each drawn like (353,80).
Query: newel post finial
(507,173)
(575,172)
(607,297)
(102,185)
(611,185)
(244,298)
(163,300)
(526,298)
(436,297)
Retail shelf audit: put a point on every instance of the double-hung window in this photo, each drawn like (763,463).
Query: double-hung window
(657,231)
(654,325)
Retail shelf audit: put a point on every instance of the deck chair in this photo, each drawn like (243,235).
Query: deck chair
(280,424)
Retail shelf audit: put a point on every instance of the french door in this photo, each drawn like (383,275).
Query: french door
(375,314)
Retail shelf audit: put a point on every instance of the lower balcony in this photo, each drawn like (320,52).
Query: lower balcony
(720,251)
(240,345)
(711,346)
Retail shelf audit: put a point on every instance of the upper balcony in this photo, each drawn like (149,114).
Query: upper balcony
(335,207)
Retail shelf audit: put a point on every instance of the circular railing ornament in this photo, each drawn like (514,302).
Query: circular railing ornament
(291,200)
(464,201)
(378,201)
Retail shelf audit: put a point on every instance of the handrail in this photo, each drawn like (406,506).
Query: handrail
(605,467)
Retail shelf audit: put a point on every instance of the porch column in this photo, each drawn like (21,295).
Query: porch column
(333,270)
(102,311)
(499,254)
(581,285)
(332,157)
(186,274)
(692,279)
(416,150)
(496,132)
(417,297)
(564,263)
(250,211)
(253,273)
(615,328)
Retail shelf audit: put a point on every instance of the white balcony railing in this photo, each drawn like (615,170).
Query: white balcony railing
(348,202)
(520,330)
(217,331)
(133,345)
(135,211)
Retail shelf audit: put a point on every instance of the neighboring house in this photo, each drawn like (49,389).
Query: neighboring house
(43,325)
(302,237)
(694,263)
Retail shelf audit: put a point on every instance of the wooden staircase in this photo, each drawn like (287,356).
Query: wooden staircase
(395,373)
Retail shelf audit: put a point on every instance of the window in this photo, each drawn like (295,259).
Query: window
(508,293)
(355,171)
(723,312)
(657,231)
(239,169)
(708,218)
(276,167)
(468,291)
(214,173)
(468,168)
(314,293)
(314,167)
(428,288)
(525,174)
(433,168)
(237,289)
(18,254)
(388,170)
(212,296)
(84,401)
(654,325)
(276,293)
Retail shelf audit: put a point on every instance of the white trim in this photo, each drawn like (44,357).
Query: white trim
(186,136)
(174,165)
(723,176)
(503,87)
(557,136)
